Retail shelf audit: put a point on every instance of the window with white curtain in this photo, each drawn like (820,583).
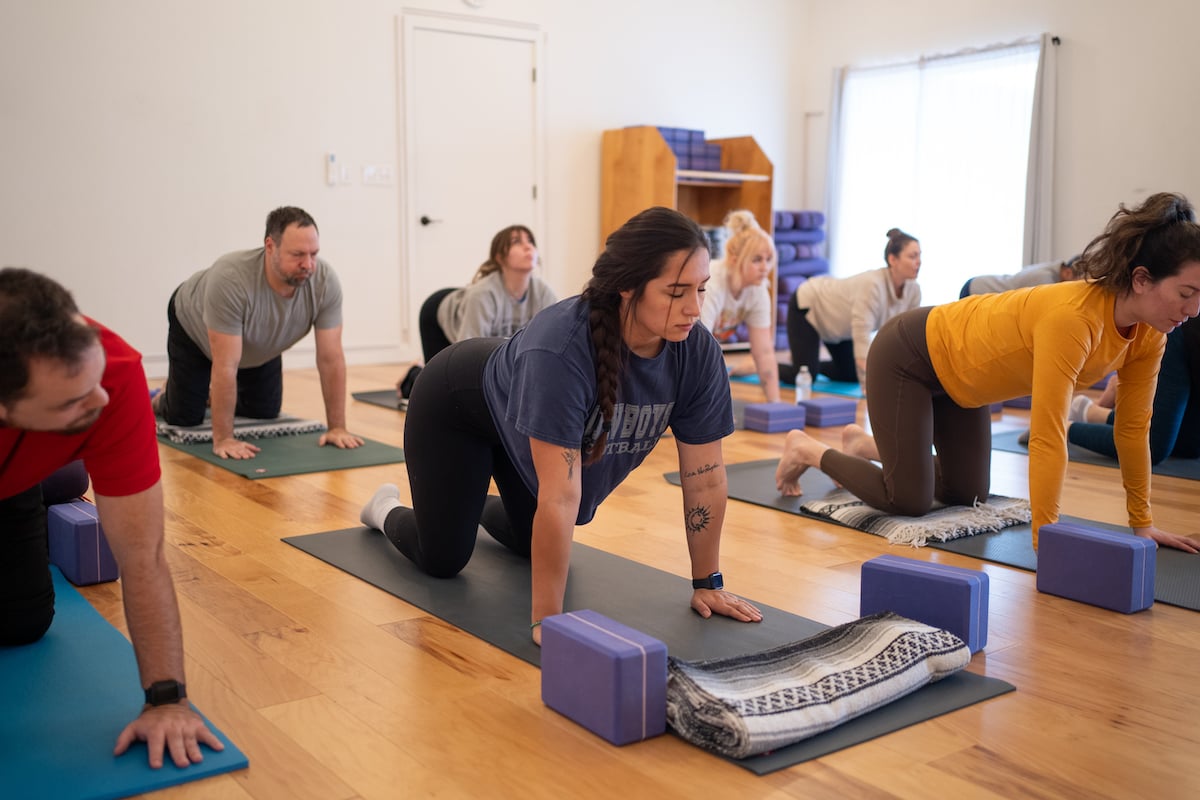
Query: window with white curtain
(939,149)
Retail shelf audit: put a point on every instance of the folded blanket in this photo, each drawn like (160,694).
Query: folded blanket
(745,705)
(941,524)
(243,428)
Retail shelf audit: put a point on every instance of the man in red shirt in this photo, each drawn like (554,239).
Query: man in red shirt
(70,389)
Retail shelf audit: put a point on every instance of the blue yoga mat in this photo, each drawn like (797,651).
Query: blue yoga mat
(65,700)
(820,384)
(1174,467)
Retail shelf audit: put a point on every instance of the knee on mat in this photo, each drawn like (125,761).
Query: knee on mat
(25,628)
(443,568)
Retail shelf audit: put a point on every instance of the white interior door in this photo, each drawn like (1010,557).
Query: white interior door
(471,151)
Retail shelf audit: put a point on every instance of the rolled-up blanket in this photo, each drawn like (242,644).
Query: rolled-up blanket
(745,705)
(243,428)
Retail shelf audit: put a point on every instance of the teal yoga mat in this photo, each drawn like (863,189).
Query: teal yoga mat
(490,600)
(1172,467)
(294,455)
(820,384)
(1177,574)
(66,698)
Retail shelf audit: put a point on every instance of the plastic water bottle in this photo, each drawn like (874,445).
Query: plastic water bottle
(803,385)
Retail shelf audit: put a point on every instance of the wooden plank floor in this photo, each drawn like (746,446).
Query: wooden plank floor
(335,689)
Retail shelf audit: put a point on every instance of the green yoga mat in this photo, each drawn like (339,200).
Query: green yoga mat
(381,397)
(1172,467)
(294,455)
(490,600)
(1177,574)
(66,698)
(820,384)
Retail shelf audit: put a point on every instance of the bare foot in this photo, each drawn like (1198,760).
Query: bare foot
(857,442)
(800,451)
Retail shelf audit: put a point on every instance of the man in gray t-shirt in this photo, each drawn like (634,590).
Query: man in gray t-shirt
(230,323)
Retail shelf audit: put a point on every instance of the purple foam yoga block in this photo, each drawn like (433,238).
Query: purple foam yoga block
(77,544)
(951,598)
(1102,568)
(774,417)
(822,412)
(606,676)
(1019,402)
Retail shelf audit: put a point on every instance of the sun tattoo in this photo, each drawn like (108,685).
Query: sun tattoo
(698,519)
(570,456)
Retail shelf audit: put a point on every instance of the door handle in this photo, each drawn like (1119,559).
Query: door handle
(427,220)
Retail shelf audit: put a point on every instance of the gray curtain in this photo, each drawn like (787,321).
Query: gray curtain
(1039,181)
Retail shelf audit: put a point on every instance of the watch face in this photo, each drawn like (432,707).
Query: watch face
(716,581)
(161,693)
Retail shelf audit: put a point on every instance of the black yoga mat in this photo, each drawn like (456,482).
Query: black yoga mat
(382,397)
(490,600)
(1177,574)
(294,455)
(1173,467)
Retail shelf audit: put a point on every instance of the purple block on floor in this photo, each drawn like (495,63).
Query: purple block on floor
(606,676)
(77,544)
(951,598)
(997,408)
(821,412)
(1101,568)
(774,417)
(1019,402)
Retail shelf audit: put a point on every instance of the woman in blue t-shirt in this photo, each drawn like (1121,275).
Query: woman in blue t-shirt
(562,412)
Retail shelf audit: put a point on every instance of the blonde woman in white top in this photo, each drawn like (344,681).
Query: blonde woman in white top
(737,293)
(844,313)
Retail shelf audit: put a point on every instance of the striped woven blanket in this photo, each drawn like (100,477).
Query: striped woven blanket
(941,524)
(746,705)
(243,428)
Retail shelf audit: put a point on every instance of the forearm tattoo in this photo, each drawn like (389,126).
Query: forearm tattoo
(701,470)
(697,520)
(570,456)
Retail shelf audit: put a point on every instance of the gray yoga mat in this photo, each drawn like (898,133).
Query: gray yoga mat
(1176,573)
(1173,467)
(490,600)
(295,455)
(386,398)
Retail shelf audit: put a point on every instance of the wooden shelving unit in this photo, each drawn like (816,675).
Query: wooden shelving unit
(638,170)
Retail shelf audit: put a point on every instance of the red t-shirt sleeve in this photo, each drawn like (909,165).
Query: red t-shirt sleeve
(121,451)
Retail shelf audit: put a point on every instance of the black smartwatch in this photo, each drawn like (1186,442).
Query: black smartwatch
(714,581)
(163,693)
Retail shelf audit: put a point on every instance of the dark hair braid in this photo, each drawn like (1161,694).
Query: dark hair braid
(634,255)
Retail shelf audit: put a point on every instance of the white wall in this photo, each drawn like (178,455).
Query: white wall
(1127,114)
(146,137)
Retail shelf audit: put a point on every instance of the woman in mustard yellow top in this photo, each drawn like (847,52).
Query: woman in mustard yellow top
(934,372)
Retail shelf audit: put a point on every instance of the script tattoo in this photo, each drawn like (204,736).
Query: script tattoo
(701,470)
(570,456)
(697,519)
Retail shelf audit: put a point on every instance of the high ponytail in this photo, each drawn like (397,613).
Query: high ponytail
(1160,235)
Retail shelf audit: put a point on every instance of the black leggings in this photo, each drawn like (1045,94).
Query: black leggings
(26,589)
(805,344)
(189,375)
(452,451)
(911,417)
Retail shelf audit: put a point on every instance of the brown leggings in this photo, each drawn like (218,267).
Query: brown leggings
(912,417)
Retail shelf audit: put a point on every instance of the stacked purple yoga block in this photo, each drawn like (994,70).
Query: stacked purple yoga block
(77,543)
(822,412)
(1102,568)
(608,677)
(798,237)
(774,417)
(951,598)
(691,149)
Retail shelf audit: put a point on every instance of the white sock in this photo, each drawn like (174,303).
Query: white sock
(386,498)
(1079,408)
